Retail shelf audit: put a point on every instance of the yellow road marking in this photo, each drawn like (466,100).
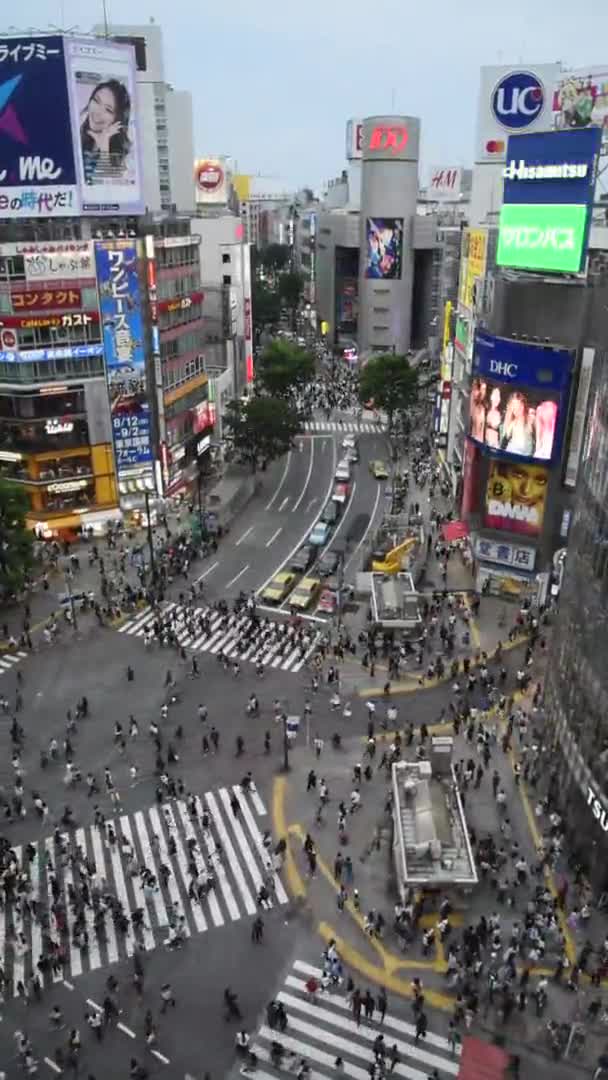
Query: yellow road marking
(294,878)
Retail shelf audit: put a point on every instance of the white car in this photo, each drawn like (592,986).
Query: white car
(349,442)
(342,473)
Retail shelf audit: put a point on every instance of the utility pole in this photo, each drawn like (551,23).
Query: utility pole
(150,542)
(200,501)
(69,587)
(285,744)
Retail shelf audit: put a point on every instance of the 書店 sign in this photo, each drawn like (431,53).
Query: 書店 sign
(518,555)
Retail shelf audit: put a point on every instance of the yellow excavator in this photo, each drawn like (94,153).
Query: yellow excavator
(393,560)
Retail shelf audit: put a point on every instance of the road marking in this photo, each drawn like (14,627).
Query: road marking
(127,1031)
(206,572)
(284,503)
(161,1057)
(52,1065)
(239,575)
(281,482)
(274,536)
(308,475)
(311,503)
(68,984)
(370,523)
(245,535)
(94,1005)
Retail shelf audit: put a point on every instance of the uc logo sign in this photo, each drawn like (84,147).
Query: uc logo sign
(517,100)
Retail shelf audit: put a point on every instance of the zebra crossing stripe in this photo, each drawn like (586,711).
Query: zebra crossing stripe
(226,842)
(259,844)
(182,862)
(98,858)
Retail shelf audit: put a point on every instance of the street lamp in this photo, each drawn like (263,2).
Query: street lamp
(150,543)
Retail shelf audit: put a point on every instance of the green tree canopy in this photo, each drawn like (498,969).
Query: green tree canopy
(262,429)
(390,382)
(283,369)
(274,256)
(291,287)
(266,304)
(16,541)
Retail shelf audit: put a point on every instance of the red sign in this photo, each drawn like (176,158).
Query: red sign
(43,322)
(249,367)
(247,319)
(203,416)
(9,340)
(391,137)
(38,299)
(209,176)
(181,303)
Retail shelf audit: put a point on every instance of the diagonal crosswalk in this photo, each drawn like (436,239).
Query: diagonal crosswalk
(352,427)
(210,837)
(321,1029)
(275,645)
(9,660)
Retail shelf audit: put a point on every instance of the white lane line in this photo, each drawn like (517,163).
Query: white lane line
(52,1065)
(161,1057)
(369,526)
(308,527)
(245,535)
(274,536)
(125,1030)
(206,572)
(284,503)
(239,575)
(270,504)
(308,476)
(311,503)
(342,519)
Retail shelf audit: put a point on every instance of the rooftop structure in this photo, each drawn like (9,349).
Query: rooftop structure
(394,602)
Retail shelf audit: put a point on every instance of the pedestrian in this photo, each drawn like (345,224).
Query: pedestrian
(381,1004)
(167,997)
(421,1026)
(257,930)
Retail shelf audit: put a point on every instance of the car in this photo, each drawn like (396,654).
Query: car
(328,602)
(352,455)
(340,493)
(330,513)
(302,558)
(349,442)
(279,587)
(378,470)
(306,592)
(319,534)
(328,564)
(342,473)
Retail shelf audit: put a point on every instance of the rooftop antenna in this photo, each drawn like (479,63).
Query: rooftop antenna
(106,29)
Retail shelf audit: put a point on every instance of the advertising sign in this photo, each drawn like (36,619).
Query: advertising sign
(476,265)
(123,337)
(512,99)
(515,497)
(519,363)
(464,261)
(518,555)
(354,140)
(390,138)
(41,299)
(37,173)
(549,238)
(210,180)
(461,336)
(180,303)
(552,167)
(102,86)
(445,183)
(46,322)
(384,248)
(60,352)
(70,265)
(580,99)
(578,420)
(203,416)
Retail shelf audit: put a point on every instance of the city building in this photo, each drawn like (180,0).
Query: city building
(165,117)
(265,206)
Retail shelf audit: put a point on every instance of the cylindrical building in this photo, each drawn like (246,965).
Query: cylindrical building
(389,188)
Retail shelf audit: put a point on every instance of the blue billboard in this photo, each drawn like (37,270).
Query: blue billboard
(123,338)
(518,398)
(552,168)
(37,168)
(59,352)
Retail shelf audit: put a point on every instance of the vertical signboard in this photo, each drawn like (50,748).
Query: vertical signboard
(37,168)
(249,373)
(476,265)
(123,340)
(162,474)
(107,143)
(578,420)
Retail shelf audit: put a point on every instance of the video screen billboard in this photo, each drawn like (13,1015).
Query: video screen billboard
(549,238)
(516,496)
(37,169)
(580,98)
(384,248)
(123,338)
(552,168)
(102,87)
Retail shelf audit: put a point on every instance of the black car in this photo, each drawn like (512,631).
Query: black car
(328,564)
(330,513)
(303,558)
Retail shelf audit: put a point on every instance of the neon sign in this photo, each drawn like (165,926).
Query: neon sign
(389,137)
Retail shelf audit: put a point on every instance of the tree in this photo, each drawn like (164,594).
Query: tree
(291,287)
(16,541)
(266,306)
(274,257)
(283,369)
(390,382)
(262,429)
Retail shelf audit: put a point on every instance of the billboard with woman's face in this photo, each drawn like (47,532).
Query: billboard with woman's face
(384,248)
(520,422)
(102,86)
(515,497)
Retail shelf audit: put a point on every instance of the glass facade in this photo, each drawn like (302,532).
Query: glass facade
(576,696)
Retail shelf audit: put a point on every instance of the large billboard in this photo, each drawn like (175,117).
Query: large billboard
(510,100)
(384,248)
(445,184)
(354,140)
(107,143)
(516,495)
(37,169)
(210,181)
(518,396)
(123,338)
(580,98)
(548,238)
(475,265)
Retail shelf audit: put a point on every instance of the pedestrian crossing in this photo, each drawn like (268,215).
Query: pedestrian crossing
(213,838)
(9,660)
(323,1028)
(358,427)
(234,640)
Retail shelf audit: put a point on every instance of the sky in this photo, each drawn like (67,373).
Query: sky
(274,81)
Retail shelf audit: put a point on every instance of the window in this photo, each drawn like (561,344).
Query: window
(226,257)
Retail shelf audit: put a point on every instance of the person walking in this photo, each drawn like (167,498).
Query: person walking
(257,930)
(167,997)
(381,1004)
(421,1026)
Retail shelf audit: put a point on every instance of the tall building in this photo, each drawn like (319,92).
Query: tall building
(165,117)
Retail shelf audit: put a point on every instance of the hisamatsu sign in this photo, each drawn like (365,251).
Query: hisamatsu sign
(598,811)
(540,237)
(566,171)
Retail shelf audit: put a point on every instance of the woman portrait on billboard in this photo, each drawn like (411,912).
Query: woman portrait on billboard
(518,426)
(477,400)
(493,420)
(104,131)
(545,422)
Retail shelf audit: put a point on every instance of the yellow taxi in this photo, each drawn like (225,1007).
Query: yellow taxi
(276,591)
(378,470)
(306,592)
